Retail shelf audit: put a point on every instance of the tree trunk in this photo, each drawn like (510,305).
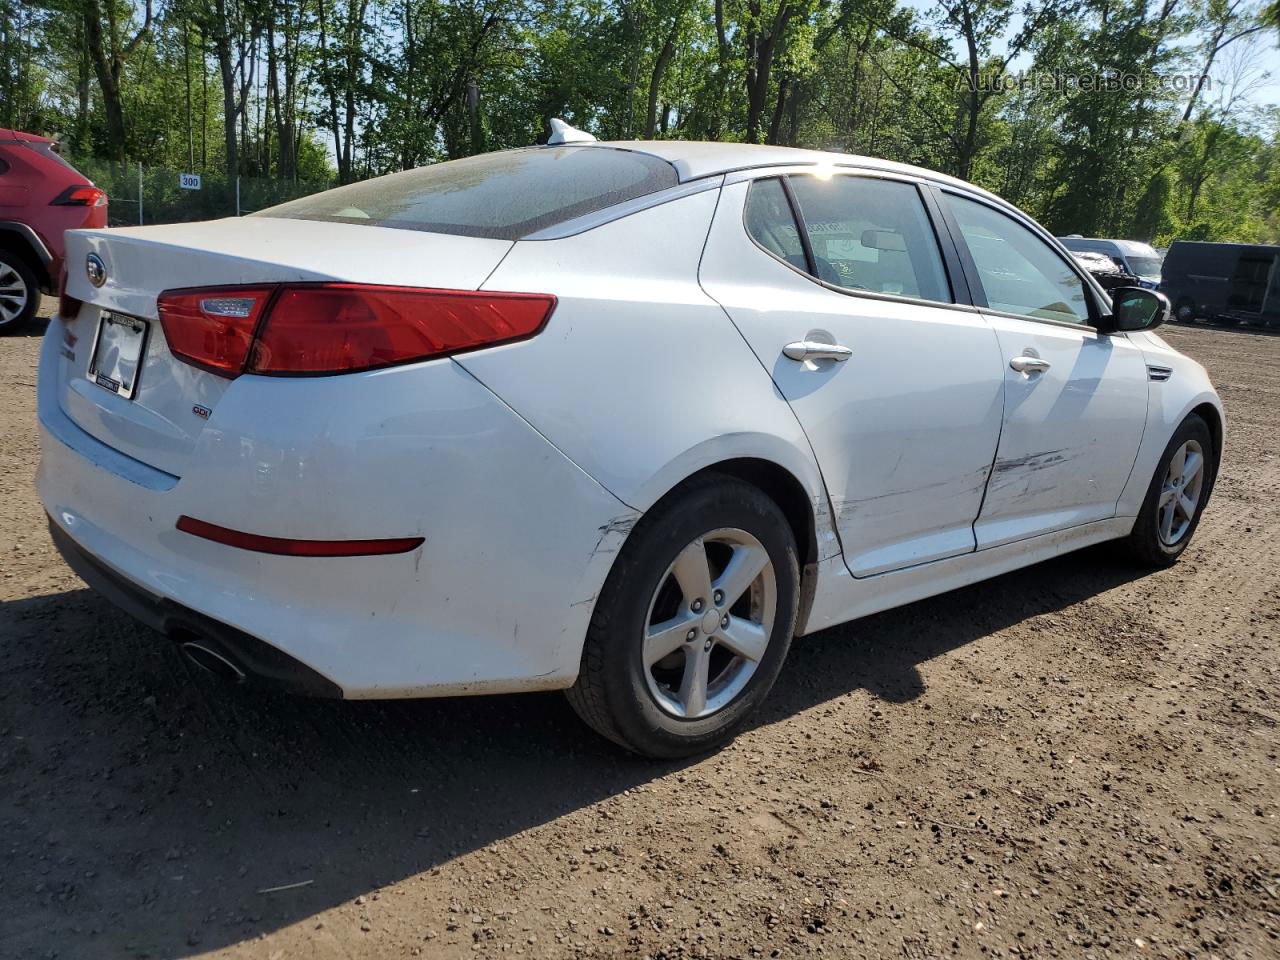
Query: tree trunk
(655,79)
(104,69)
(186,69)
(973,104)
(344,173)
(775,122)
(761,49)
(226,72)
(230,141)
(108,55)
(82,88)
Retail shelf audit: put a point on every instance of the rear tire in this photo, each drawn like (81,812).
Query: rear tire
(19,292)
(1177,496)
(667,672)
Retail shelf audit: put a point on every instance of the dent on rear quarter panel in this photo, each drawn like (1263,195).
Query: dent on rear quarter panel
(516,536)
(639,376)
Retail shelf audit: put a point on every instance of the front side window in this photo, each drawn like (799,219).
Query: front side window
(771,223)
(1020,273)
(871,235)
(505,195)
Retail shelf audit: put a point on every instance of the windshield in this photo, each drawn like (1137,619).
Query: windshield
(504,195)
(1145,266)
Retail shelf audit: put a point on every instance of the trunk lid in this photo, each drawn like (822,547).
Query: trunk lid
(172,400)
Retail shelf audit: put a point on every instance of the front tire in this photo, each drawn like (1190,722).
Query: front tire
(694,621)
(1177,496)
(19,293)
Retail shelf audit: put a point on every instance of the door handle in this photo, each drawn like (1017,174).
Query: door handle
(1029,364)
(815,350)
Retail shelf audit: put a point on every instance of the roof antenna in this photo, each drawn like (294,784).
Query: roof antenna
(561,132)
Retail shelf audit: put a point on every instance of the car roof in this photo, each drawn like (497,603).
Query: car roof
(1136,247)
(694,159)
(18,135)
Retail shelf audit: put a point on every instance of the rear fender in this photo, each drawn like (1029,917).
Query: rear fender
(20,237)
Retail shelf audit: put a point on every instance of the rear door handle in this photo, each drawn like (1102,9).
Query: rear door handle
(815,350)
(1029,364)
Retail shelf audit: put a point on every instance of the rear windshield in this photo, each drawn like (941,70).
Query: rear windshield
(1145,266)
(504,195)
(50,151)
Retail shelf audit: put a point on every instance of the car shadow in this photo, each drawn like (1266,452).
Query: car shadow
(147,807)
(34,329)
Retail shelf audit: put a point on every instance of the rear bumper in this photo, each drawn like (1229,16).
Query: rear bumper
(258,662)
(518,540)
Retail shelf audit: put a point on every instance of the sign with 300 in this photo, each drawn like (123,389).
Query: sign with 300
(189,181)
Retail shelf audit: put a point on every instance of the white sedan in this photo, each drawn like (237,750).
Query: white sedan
(615,418)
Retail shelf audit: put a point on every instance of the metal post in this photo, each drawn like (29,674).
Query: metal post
(237,195)
(139,193)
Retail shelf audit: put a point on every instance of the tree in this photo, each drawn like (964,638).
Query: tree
(1228,21)
(109,52)
(282,92)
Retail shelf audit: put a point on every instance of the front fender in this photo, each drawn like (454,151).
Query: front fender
(1169,402)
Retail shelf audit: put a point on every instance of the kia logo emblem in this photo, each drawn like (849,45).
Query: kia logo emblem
(96,269)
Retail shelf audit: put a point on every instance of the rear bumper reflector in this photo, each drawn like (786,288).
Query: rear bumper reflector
(296,548)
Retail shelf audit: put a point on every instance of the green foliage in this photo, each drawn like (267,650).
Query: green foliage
(295,94)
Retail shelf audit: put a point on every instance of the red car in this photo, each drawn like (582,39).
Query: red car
(41,195)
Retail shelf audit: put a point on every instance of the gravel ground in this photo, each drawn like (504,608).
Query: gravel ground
(1076,760)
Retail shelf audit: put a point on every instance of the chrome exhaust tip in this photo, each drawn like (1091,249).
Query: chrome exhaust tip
(211,661)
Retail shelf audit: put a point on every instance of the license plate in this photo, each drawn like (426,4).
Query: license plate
(117,353)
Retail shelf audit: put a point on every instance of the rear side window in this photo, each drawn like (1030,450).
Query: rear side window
(49,151)
(504,195)
(771,224)
(871,235)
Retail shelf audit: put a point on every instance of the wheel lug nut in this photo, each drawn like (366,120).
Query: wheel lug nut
(691,635)
(719,598)
(707,645)
(696,606)
(724,621)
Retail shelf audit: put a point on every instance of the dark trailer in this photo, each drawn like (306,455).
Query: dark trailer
(1231,282)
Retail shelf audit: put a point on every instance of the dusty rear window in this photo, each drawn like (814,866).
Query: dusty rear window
(503,195)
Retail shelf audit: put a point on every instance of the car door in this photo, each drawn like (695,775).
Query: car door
(1075,399)
(841,288)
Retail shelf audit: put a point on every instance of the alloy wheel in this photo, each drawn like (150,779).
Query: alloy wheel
(13,294)
(1180,493)
(709,623)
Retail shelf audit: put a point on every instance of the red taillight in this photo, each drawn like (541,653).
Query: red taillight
(83,196)
(316,329)
(341,327)
(213,328)
(68,306)
(296,548)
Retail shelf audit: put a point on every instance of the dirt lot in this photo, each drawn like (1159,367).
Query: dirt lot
(1077,760)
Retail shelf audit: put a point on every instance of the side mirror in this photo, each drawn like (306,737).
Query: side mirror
(1135,308)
